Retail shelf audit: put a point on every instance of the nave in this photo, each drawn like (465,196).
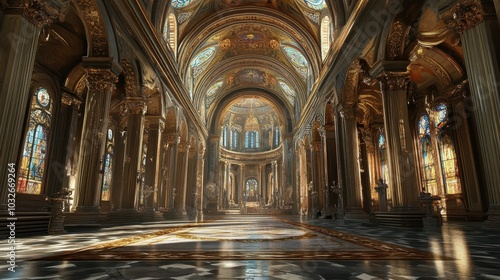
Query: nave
(262,247)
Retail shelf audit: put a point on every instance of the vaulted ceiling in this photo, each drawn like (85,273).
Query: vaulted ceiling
(227,46)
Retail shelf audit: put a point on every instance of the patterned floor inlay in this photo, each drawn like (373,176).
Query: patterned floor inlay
(246,238)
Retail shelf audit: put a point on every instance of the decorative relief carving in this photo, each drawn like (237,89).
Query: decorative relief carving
(100,79)
(395,40)
(183,147)
(131,87)
(136,107)
(69,100)
(464,16)
(171,138)
(98,41)
(394,81)
(38,12)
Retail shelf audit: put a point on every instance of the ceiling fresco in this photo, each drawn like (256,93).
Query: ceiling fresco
(229,45)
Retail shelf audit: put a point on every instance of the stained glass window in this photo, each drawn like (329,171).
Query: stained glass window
(295,56)
(252,139)
(251,189)
(326,30)
(180,3)
(316,4)
(170,32)
(447,154)
(32,167)
(203,56)
(108,168)
(427,153)
(214,88)
(384,168)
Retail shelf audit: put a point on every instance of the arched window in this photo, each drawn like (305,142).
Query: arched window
(108,167)
(427,153)
(252,139)
(251,189)
(224,136)
(32,167)
(235,139)
(447,154)
(326,35)
(170,32)
(276,136)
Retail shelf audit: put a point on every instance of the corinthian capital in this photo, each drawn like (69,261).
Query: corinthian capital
(183,147)
(465,15)
(99,79)
(136,106)
(39,12)
(394,81)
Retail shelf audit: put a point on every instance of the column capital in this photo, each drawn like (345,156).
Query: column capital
(183,147)
(464,15)
(347,112)
(99,79)
(394,81)
(322,131)
(171,138)
(136,106)
(39,12)
(316,146)
(70,100)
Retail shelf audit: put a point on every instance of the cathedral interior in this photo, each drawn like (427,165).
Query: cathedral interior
(252,139)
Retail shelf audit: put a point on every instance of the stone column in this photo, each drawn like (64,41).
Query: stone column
(133,154)
(370,166)
(478,31)
(170,141)
(119,158)
(324,156)
(317,172)
(153,161)
(191,181)
(20,25)
(399,140)
(181,167)
(242,183)
(352,183)
(61,165)
(101,82)
(261,183)
(199,183)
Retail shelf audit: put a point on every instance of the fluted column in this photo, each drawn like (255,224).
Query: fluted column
(352,183)
(133,154)
(181,172)
(478,30)
(324,157)
(20,25)
(191,181)
(100,82)
(401,161)
(317,173)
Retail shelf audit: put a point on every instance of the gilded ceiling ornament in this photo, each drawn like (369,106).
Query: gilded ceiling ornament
(98,41)
(225,44)
(274,44)
(395,40)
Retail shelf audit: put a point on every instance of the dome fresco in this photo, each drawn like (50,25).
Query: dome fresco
(203,56)
(180,3)
(214,88)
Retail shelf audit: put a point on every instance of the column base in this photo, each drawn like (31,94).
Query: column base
(493,220)
(356,214)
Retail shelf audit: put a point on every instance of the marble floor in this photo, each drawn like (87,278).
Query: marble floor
(261,247)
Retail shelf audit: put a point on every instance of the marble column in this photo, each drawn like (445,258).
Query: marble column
(20,27)
(399,140)
(478,33)
(119,158)
(352,183)
(133,154)
(181,173)
(331,159)
(242,190)
(317,172)
(261,181)
(101,82)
